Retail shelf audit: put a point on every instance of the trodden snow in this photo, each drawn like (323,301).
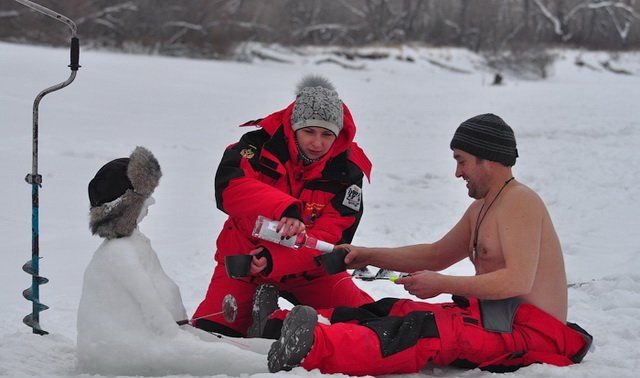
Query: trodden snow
(577,133)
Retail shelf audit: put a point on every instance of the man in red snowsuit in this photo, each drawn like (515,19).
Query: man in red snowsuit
(511,313)
(402,336)
(302,168)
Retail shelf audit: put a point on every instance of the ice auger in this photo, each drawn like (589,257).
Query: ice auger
(35,180)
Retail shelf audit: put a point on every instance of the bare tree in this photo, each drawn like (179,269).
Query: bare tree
(211,28)
(622,15)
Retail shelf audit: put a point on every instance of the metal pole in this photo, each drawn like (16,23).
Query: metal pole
(32,266)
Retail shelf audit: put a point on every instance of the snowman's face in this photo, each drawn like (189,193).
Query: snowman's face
(145,208)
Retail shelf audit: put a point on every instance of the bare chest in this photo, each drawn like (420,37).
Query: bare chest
(485,251)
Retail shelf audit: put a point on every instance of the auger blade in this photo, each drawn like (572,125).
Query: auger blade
(41,280)
(32,320)
(28,267)
(28,294)
(35,325)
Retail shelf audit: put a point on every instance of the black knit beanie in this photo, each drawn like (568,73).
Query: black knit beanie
(488,137)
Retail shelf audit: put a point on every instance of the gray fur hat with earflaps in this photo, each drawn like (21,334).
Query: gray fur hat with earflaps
(118,191)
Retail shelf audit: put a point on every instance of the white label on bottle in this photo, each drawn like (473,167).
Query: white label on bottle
(288,242)
(268,232)
(324,247)
(353,197)
(272,226)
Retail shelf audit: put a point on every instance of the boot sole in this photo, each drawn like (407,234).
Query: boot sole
(296,340)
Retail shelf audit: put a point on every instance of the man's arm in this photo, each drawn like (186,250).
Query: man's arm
(519,233)
(434,257)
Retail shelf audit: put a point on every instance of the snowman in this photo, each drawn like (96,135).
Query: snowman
(130,308)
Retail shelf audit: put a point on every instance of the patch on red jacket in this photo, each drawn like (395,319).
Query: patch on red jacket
(249,152)
(311,212)
(353,197)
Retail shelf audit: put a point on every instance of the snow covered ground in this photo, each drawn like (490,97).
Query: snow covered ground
(577,134)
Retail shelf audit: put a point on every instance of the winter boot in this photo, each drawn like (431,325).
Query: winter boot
(296,339)
(265,302)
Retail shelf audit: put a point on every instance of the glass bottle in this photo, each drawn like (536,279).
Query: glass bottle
(265,229)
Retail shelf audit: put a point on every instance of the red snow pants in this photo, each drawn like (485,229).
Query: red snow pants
(403,336)
(313,288)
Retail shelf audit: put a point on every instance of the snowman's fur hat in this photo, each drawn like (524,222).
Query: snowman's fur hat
(118,191)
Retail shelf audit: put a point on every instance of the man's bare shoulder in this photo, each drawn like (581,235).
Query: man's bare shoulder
(520,196)
(474,207)
(472,210)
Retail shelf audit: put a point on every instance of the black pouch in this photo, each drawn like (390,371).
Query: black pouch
(497,315)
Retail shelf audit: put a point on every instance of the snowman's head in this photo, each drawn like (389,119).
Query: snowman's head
(120,193)
(145,208)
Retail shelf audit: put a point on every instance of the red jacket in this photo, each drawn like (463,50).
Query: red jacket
(262,174)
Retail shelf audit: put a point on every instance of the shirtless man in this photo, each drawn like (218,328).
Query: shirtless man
(517,253)
(511,313)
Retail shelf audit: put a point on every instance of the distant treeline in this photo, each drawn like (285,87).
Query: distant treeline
(210,28)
